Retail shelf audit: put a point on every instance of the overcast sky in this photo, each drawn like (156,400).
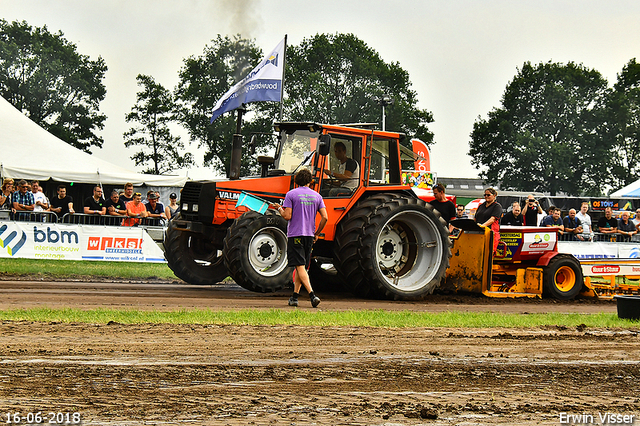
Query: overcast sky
(460,55)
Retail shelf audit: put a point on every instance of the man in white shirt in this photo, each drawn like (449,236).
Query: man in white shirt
(42,202)
(585,221)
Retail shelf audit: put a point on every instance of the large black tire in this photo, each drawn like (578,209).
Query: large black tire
(255,252)
(393,246)
(193,258)
(562,277)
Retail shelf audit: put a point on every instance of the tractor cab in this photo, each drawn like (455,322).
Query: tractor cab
(343,159)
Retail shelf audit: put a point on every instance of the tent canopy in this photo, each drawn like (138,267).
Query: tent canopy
(631,190)
(30,152)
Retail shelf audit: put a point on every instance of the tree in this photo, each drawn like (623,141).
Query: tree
(43,75)
(204,80)
(624,107)
(550,133)
(154,110)
(335,78)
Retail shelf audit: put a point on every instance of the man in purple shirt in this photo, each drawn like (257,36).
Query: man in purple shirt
(300,207)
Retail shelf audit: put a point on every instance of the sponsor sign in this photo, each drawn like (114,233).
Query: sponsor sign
(416,179)
(600,250)
(538,242)
(604,269)
(512,240)
(77,242)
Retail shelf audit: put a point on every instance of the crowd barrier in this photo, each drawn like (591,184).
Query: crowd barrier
(42,240)
(155,227)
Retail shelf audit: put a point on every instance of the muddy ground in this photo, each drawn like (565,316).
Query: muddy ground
(115,374)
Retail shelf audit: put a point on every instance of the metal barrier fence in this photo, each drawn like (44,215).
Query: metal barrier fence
(155,227)
(600,237)
(107,220)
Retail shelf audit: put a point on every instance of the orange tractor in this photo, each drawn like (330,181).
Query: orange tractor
(382,239)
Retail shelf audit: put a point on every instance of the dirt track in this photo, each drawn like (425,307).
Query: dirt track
(237,375)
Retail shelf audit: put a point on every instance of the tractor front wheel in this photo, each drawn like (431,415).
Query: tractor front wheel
(255,252)
(193,258)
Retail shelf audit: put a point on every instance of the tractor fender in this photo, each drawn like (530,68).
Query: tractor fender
(546,258)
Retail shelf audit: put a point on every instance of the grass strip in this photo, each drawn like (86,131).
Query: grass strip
(79,268)
(367,318)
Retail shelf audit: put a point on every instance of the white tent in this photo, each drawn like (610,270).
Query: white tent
(28,151)
(631,190)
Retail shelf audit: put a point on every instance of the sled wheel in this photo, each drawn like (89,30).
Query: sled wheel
(563,278)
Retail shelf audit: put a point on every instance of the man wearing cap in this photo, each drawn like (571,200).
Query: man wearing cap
(155,209)
(172,209)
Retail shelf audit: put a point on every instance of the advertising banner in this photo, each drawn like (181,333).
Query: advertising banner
(538,242)
(77,242)
(599,250)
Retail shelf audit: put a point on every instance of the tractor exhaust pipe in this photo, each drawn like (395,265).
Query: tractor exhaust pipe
(236,148)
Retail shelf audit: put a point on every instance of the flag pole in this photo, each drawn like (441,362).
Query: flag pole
(284,65)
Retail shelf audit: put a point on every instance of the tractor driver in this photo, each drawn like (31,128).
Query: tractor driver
(348,172)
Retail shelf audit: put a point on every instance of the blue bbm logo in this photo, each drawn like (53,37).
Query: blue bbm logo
(11,239)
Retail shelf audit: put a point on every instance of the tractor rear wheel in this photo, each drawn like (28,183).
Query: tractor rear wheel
(563,277)
(393,246)
(255,252)
(193,258)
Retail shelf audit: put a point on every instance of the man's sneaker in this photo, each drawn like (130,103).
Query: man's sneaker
(294,302)
(315,301)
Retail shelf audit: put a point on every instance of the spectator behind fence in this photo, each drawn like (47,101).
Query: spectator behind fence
(171,210)
(41,200)
(636,220)
(155,209)
(128,194)
(530,212)
(553,220)
(62,203)
(135,211)
(95,203)
(5,196)
(114,206)
(572,226)
(626,228)
(513,218)
(608,224)
(585,221)
(23,201)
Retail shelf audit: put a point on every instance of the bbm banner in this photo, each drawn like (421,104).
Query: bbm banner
(76,242)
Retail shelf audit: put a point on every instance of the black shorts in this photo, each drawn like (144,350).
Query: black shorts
(299,251)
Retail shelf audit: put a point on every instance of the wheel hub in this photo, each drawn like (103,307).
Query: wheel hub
(263,251)
(390,245)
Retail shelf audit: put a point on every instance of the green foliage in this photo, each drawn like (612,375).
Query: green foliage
(624,108)
(335,78)
(153,111)
(363,318)
(205,79)
(43,75)
(550,133)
